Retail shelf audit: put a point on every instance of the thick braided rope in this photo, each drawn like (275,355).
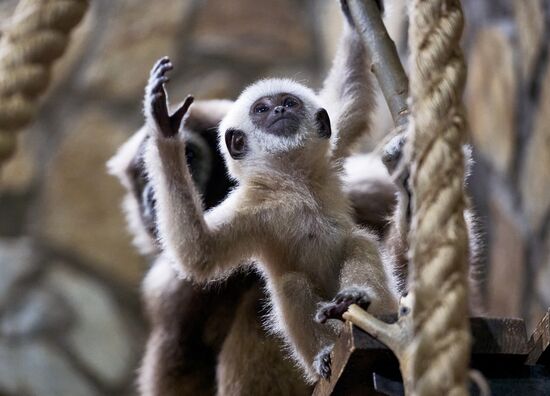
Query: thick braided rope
(37,35)
(438,236)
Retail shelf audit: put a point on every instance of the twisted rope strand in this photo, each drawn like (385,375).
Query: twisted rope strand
(37,35)
(438,235)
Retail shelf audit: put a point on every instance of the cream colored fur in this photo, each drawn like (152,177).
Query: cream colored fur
(289,213)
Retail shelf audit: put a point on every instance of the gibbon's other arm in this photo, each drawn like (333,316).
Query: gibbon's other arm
(348,90)
(202,248)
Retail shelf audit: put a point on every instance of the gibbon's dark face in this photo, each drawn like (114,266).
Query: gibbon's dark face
(143,188)
(279,115)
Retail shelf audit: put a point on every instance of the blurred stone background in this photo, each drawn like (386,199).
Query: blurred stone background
(70,314)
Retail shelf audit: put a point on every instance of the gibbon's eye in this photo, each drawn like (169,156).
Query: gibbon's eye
(290,102)
(235,141)
(190,153)
(260,108)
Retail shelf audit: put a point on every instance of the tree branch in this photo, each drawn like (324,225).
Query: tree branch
(386,64)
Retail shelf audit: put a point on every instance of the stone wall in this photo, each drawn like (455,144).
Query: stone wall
(70,316)
(508,99)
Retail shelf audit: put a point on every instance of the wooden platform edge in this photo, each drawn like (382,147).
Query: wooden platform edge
(493,338)
(343,349)
(539,343)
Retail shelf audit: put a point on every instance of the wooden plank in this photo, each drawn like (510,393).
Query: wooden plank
(353,377)
(539,343)
(499,344)
(343,349)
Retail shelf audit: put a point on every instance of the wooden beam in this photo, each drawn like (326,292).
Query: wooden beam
(498,344)
(356,355)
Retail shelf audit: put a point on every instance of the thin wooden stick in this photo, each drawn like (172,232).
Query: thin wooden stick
(386,64)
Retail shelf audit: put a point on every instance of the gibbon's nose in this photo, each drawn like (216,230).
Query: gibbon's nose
(279,109)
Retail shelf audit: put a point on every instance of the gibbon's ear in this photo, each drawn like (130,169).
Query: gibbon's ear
(235,140)
(323,123)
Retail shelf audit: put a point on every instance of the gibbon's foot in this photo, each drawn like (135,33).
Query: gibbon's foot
(323,362)
(345,9)
(156,101)
(339,304)
(392,159)
(393,152)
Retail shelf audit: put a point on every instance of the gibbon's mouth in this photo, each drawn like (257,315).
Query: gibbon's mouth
(283,118)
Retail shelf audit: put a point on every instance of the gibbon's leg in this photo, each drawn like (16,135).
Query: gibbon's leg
(251,361)
(364,281)
(309,337)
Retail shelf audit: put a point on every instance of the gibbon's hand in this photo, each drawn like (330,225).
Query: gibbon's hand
(393,159)
(393,152)
(156,101)
(345,9)
(340,304)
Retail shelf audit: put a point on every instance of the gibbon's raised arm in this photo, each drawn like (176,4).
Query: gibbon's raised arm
(348,91)
(204,248)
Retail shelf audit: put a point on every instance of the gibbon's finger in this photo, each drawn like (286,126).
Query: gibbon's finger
(331,310)
(163,69)
(326,369)
(177,116)
(160,115)
(322,364)
(159,63)
(157,86)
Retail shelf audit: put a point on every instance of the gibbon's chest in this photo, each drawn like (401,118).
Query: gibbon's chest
(305,239)
(302,226)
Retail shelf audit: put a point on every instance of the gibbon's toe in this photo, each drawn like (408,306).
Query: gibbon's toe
(323,363)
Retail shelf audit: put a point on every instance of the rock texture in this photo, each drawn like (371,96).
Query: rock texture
(491,99)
